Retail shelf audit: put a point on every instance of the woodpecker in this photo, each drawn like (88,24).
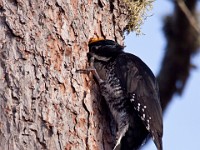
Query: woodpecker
(131,92)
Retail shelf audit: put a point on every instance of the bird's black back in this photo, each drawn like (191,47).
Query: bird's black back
(136,78)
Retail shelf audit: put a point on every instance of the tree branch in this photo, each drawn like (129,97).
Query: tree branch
(182,43)
(189,15)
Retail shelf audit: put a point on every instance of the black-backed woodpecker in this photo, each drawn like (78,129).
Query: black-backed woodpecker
(131,93)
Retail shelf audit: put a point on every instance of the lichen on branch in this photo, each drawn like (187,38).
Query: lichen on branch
(137,13)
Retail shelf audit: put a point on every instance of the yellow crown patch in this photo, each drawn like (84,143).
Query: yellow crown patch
(92,40)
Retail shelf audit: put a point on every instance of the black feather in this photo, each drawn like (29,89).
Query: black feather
(106,48)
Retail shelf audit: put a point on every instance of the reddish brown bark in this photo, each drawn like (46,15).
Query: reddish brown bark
(44,103)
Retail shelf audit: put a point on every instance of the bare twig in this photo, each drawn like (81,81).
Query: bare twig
(189,15)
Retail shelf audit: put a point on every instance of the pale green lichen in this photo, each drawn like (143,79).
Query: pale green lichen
(137,13)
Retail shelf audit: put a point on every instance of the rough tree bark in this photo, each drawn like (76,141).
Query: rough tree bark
(44,103)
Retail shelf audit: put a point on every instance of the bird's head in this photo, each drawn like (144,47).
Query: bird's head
(104,49)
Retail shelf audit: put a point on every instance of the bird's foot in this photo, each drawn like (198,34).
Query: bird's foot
(93,71)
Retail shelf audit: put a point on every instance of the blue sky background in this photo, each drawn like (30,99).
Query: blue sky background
(182,118)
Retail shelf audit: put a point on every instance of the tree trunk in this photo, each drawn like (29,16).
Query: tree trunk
(44,103)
